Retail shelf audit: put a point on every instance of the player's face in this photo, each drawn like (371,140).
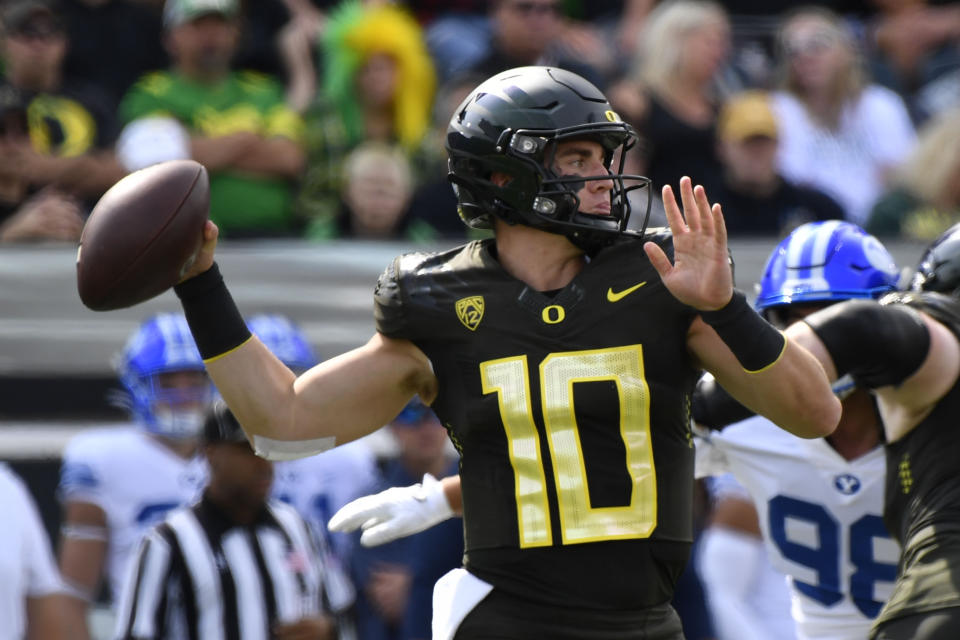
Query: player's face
(585,158)
(181,402)
(183,389)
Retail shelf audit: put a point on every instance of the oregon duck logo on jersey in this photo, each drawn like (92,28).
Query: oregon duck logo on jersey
(470,311)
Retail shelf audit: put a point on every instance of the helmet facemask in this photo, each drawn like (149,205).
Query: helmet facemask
(539,197)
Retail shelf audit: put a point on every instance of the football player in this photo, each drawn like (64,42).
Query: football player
(906,349)
(560,355)
(817,503)
(117,483)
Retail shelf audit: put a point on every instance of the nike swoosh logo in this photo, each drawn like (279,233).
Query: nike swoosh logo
(616,296)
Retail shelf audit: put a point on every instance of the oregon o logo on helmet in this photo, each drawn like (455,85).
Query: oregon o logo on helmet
(611,115)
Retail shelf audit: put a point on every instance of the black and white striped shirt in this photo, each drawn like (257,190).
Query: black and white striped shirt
(199,576)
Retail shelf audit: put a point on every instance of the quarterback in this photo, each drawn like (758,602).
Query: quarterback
(560,356)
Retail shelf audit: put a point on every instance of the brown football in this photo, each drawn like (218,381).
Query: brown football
(142,235)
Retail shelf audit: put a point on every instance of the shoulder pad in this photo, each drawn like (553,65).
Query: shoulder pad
(412,295)
(391,297)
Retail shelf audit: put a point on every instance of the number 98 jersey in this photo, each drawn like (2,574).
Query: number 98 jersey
(820,516)
(570,410)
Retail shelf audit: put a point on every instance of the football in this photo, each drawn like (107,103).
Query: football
(142,235)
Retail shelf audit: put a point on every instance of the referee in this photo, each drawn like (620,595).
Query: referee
(236,565)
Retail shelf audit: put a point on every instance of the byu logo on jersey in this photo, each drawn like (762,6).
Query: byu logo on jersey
(847,484)
(470,311)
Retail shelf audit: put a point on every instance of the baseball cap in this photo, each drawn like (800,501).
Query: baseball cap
(178,12)
(222,426)
(745,115)
(19,15)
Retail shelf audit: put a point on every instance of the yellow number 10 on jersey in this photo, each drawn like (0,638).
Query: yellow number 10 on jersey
(579,522)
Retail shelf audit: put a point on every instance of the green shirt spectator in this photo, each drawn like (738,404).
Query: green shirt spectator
(242,102)
(236,123)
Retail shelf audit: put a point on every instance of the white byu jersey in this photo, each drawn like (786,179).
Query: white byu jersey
(821,519)
(134,479)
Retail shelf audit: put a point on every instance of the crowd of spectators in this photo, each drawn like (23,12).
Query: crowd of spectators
(292,104)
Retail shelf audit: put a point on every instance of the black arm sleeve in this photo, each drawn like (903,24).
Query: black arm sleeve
(878,345)
(713,407)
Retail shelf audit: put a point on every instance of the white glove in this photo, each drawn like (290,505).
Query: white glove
(394,513)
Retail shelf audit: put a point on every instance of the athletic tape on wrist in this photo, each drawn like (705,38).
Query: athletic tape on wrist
(754,341)
(215,321)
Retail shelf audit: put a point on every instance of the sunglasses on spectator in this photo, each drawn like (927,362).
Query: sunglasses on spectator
(528,8)
(810,45)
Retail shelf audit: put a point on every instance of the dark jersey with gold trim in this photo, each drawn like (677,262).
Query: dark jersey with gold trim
(571,415)
(922,505)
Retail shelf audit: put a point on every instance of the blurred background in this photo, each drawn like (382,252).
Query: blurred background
(322,126)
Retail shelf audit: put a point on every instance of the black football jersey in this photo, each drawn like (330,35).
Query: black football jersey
(570,411)
(922,504)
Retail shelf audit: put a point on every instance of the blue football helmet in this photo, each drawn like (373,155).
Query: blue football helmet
(825,261)
(284,339)
(161,345)
(939,267)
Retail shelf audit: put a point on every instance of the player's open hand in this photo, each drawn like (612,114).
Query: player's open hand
(204,259)
(394,513)
(700,274)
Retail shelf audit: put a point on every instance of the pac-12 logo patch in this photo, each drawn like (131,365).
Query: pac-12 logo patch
(470,311)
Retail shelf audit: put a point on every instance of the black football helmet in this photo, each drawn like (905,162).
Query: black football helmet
(939,267)
(511,124)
